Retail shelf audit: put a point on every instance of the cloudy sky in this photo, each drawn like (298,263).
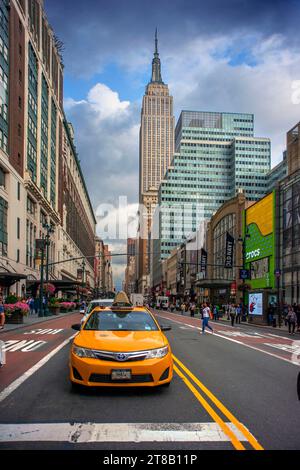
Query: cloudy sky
(234,55)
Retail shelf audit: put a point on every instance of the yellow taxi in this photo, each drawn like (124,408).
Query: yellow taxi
(119,346)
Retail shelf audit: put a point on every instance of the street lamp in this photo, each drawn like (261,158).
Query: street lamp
(243,241)
(49,230)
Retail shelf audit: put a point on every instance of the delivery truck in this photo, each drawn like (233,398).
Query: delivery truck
(137,300)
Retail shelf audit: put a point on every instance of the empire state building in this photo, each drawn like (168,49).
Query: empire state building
(156,150)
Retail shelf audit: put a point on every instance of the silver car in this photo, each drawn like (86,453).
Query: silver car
(95,303)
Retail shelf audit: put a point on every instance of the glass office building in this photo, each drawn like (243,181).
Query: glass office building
(217,156)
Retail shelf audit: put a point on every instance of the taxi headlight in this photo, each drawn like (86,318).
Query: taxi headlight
(82,352)
(157,353)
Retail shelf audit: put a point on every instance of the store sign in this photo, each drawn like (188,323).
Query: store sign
(252,254)
(244,274)
(203,260)
(229,251)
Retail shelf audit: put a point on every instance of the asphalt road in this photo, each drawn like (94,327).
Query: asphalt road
(229,391)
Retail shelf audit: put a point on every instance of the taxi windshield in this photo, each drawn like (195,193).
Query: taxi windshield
(108,320)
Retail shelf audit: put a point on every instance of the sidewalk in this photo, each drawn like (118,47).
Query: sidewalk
(32,320)
(282,329)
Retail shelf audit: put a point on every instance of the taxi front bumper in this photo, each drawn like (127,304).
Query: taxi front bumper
(96,372)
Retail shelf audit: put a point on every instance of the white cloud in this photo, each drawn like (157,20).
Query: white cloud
(105,102)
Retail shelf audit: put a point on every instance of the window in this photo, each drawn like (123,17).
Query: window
(2,178)
(18,256)
(18,191)
(18,228)
(3,227)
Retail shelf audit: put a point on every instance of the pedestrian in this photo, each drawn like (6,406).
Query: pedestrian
(192,309)
(270,314)
(238,312)
(31,305)
(206,317)
(297,312)
(2,313)
(291,320)
(227,311)
(215,313)
(232,313)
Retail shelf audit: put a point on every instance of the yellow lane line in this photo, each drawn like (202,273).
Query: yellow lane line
(250,438)
(236,443)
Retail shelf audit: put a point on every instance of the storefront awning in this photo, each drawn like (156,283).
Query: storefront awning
(7,278)
(213,283)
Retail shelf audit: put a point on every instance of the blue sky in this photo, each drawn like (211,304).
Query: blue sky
(235,56)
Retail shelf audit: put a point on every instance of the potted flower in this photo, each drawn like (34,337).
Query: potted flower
(65,306)
(54,306)
(50,288)
(15,312)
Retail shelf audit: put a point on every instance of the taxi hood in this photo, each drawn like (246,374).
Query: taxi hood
(116,341)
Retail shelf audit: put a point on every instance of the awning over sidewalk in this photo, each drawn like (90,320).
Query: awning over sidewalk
(213,283)
(8,278)
(59,284)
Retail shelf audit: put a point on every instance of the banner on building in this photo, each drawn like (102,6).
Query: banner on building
(203,260)
(229,251)
(40,244)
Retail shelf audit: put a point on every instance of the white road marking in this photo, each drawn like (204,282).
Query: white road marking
(295,363)
(14,385)
(115,432)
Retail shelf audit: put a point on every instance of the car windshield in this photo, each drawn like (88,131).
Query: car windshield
(92,305)
(108,320)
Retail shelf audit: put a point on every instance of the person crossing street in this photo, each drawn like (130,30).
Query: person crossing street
(206,317)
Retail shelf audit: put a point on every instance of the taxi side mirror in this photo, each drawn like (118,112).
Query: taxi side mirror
(76,327)
(165,328)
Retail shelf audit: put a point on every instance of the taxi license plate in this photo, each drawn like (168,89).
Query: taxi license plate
(121,374)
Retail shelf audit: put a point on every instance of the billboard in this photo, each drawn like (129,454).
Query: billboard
(255,303)
(260,242)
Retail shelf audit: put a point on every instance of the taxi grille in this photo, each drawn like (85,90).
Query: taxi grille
(114,357)
(104,378)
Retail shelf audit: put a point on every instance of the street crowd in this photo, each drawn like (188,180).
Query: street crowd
(235,313)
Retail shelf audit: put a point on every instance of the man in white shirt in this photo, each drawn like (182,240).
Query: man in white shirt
(206,316)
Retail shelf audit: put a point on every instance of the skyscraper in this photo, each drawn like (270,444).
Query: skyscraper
(217,155)
(156,152)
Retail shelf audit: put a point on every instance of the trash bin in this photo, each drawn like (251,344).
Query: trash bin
(274,322)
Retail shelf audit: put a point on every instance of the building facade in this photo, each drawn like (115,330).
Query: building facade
(156,151)
(293,149)
(41,183)
(288,222)
(217,155)
(276,174)
(222,282)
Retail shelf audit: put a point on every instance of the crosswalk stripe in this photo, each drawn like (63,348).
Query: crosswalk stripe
(116,432)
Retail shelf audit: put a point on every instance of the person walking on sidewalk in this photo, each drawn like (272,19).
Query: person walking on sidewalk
(238,311)
(215,313)
(206,317)
(291,320)
(182,308)
(2,313)
(232,313)
(192,309)
(297,312)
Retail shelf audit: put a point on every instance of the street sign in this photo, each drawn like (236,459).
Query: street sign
(244,274)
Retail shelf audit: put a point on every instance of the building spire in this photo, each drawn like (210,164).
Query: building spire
(156,67)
